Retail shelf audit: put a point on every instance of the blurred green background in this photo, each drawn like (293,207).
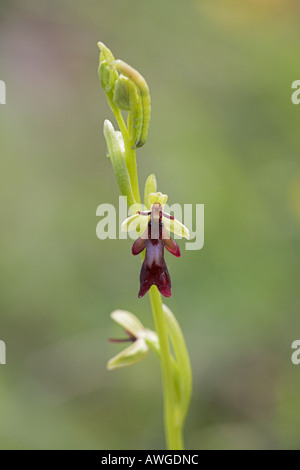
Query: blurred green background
(224,133)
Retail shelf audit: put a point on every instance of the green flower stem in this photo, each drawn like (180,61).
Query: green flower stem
(176,372)
(173,428)
(173,425)
(132,169)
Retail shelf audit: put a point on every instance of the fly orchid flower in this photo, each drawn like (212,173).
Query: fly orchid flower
(154,239)
(141,340)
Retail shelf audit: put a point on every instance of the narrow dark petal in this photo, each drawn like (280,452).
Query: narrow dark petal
(138,246)
(172,247)
(170,244)
(168,216)
(144,213)
(129,339)
(121,340)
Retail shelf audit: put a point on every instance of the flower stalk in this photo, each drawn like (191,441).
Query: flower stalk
(172,424)
(127,91)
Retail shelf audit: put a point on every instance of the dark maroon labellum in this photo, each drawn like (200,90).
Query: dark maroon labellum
(155,239)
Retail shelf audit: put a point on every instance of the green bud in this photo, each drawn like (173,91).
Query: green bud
(135,116)
(127,97)
(107,76)
(116,154)
(106,71)
(121,93)
(142,86)
(150,187)
(105,54)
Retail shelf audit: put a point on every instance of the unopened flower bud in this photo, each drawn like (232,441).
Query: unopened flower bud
(116,154)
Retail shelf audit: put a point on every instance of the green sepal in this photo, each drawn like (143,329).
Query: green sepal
(150,187)
(134,353)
